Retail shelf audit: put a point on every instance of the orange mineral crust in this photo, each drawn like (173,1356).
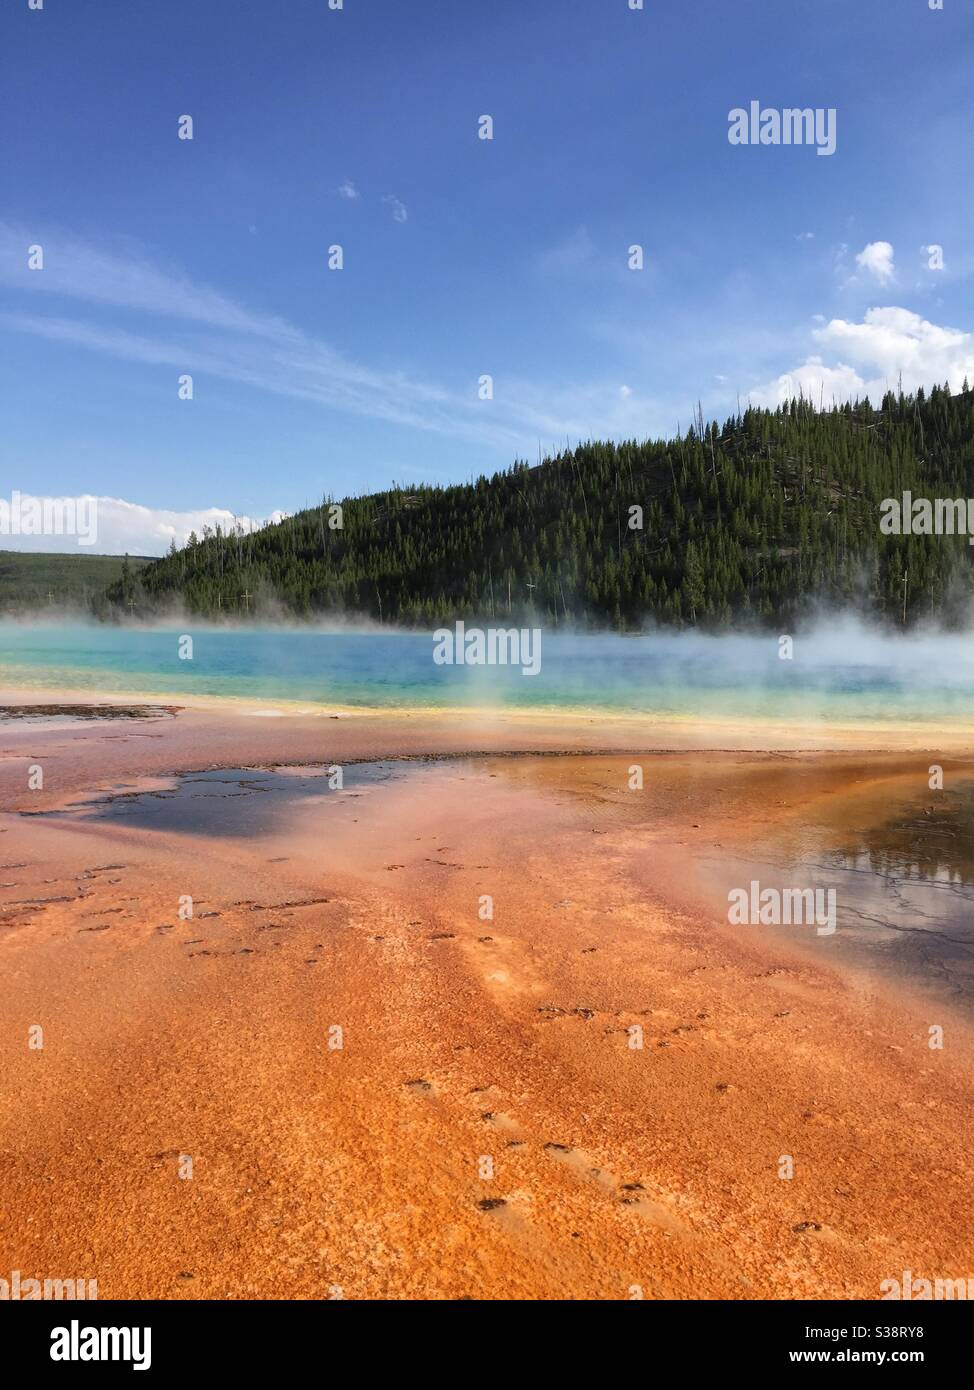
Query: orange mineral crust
(462,1027)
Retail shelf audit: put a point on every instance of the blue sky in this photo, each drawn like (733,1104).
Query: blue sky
(463,257)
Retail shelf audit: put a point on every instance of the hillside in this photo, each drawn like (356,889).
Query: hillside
(756,521)
(30,581)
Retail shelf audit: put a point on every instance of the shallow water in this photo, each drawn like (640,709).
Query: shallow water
(838,673)
(239,803)
(903,879)
(902,871)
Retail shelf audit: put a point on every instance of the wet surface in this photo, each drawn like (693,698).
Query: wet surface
(905,889)
(932,841)
(33,714)
(898,856)
(230,802)
(901,864)
(902,871)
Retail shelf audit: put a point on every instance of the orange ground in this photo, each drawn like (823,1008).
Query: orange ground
(471,1045)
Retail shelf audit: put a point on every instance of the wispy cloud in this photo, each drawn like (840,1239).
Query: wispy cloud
(124,279)
(348,190)
(575,252)
(222,338)
(398,209)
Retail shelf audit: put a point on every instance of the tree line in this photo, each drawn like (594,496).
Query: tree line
(756,521)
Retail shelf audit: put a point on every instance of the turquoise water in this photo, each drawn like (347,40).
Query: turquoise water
(838,672)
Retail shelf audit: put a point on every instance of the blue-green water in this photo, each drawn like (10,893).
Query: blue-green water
(838,673)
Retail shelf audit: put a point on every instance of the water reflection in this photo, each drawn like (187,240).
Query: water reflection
(932,841)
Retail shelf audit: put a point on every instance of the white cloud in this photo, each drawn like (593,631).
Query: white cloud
(348,190)
(122,527)
(877,260)
(889,344)
(399,212)
(814,380)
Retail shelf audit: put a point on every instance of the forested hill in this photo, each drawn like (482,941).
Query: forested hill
(756,521)
(32,580)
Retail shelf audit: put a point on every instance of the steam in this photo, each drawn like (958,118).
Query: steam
(840,668)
